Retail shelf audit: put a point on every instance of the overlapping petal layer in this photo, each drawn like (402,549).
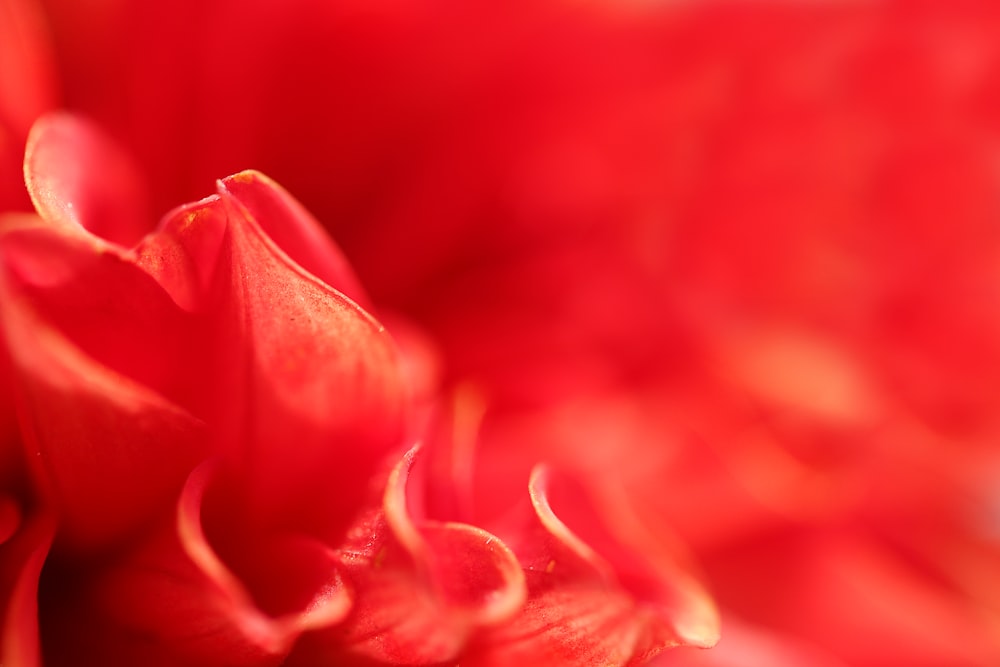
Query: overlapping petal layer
(307,366)
(206,613)
(108,450)
(593,599)
(740,254)
(423,588)
(131,367)
(203,418)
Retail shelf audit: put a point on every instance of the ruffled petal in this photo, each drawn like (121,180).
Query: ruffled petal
(601,601)
(172,600)
(310,395)
(423,587)
(76,174)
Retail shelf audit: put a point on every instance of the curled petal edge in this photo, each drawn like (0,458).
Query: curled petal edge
(28,549)
(424,588)
(76,174)
(593,598)
(695,617)
(420,538)
(273,634)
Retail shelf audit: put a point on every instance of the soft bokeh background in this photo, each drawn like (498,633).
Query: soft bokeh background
(736,262)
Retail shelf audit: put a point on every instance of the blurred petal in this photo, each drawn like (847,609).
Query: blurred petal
(594,602)
(854,596)
(27,90)
(26,68)
(21,560)
(743,645)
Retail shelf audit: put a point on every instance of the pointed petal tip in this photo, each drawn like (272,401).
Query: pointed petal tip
(293,231)
(680,610)
(245,178)
(701,628)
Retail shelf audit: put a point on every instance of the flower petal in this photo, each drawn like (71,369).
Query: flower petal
(97,297)
(76,174)
(744,645)
(295,231)
(21,560)
(423,587)
(855,596)
(316,382)
(28,90)
(108,451)
(617,607)
(26,66)
(183,254)
(171,600)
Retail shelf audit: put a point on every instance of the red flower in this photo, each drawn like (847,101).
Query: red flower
(730,266)
(207,427)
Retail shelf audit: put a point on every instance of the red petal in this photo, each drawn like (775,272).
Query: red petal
(742,645)
(857,597)
(28,90)
(96,296)
(618,607)
(172,601)
(21,561)
(183,254)
(76,174)
(108,450)
(9,436)
(295,579)
(295,231)
(315,380)
(423,587)
(26,67)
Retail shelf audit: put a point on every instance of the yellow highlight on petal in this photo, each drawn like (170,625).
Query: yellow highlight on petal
(803,371)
